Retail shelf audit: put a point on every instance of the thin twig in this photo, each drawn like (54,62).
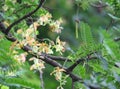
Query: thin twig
(41,80)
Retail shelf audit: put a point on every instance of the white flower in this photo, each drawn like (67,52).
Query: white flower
(55,26)
(21,58)
(38,64)
(43,20)
(59,45)
(58,73)
(45,48)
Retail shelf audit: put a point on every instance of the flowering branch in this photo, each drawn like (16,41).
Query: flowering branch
(49,59)
(44,57)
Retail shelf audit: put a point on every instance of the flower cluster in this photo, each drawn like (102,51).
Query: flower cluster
(58,73)
(29,36)
(55,26)
(59,77)
(38,64)
(45,19)
(59,45)
(21,58)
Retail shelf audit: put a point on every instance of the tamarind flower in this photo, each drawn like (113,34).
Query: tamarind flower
(43,20)
(21,58)
(38,64)
(34,26)
(30,40)
(28,32)
(58,73)
(45,48)
(59,45)
(55,26)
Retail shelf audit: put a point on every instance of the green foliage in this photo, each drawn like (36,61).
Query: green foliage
(85,4)
(19,82)
(115,4)
(112,47)
(102,72)
(88,45)
(6,59)
(13,74)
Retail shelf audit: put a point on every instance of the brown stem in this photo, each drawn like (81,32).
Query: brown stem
(75,64)
(58,58)
(72,67)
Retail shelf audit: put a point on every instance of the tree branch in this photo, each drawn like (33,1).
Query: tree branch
(56,64)
(58,58)
(24,17)
(9,36)
(48,60)
(72,67)
(75,64)
(44,57)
